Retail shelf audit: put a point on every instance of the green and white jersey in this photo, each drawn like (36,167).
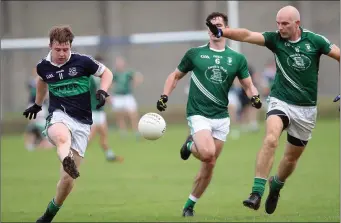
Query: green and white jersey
(122,82)
(297,66)
(212,75)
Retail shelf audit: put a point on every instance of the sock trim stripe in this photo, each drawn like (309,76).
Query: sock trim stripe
(261,178)
(278,181)
(54,204)
(192,198)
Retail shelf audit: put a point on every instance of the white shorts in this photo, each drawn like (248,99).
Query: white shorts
(219,127)
(79,131)
(99,117)
(302,119)
(123,103)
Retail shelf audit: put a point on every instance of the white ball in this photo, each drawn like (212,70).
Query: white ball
(152,126)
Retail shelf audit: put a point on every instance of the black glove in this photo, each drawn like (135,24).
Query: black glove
(32,111)
(214,29)
(101,96)
(337,98)
(255,102)
(161,103)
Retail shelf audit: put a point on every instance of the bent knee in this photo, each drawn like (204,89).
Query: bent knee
(208,156)
(271,141)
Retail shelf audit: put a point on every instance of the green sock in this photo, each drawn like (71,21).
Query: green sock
(276,184)
(259,186)
(53,208)
(190,201)
(189,145)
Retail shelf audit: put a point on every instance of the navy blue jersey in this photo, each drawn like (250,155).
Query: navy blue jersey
(68,84)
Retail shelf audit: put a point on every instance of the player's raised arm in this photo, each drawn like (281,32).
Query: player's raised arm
(239,34)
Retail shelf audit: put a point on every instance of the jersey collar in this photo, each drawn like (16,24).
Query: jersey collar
(215,50)
(296,41)
(49,59)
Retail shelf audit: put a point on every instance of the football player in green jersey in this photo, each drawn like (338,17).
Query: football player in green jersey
(99,118)
(213,67)
(293,96)
(123,101)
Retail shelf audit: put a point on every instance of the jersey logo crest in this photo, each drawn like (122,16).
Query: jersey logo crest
(307,45)
(72,71)
(216,74)
(229,61)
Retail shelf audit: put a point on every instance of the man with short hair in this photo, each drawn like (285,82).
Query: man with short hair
(293,96)
(66,76)
(213,66)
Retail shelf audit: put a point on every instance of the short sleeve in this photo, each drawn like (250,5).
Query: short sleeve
(323,44)
(93,66)
(243,71)
(186,63)
(270,40)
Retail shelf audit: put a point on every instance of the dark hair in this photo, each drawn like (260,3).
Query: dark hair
(218,14)
(61,34)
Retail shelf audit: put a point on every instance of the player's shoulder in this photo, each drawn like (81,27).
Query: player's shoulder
(80,56)
(233,53)
(195,50)
(313,35)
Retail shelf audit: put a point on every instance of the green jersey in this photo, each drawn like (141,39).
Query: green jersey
(212,75)
(94,86)
(122,82)
(297,65)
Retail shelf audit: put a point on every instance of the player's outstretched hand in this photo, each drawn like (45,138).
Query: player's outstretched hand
(255,101)
(161,103)
(214,29)
(32,111)
(101,96)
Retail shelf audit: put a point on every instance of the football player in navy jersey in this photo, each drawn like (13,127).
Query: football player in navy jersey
(66,76)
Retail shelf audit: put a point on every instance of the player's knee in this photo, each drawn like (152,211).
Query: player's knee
(208,156)
(61,139)
(271,141)
(290,159)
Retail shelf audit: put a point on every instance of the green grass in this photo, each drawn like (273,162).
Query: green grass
(153,183)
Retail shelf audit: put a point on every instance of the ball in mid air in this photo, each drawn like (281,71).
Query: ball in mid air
(152,126)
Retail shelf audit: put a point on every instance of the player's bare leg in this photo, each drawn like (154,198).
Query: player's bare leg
(64,187)
(61,136)
(286,168)
(264,162)
(120,121)
(134,118)
(206,149)
(93,132)
(103,137)
(29,139)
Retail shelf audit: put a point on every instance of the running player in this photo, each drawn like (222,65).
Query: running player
(66,76)
(99,119)
(123,101)
(213,67)
(293,96)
